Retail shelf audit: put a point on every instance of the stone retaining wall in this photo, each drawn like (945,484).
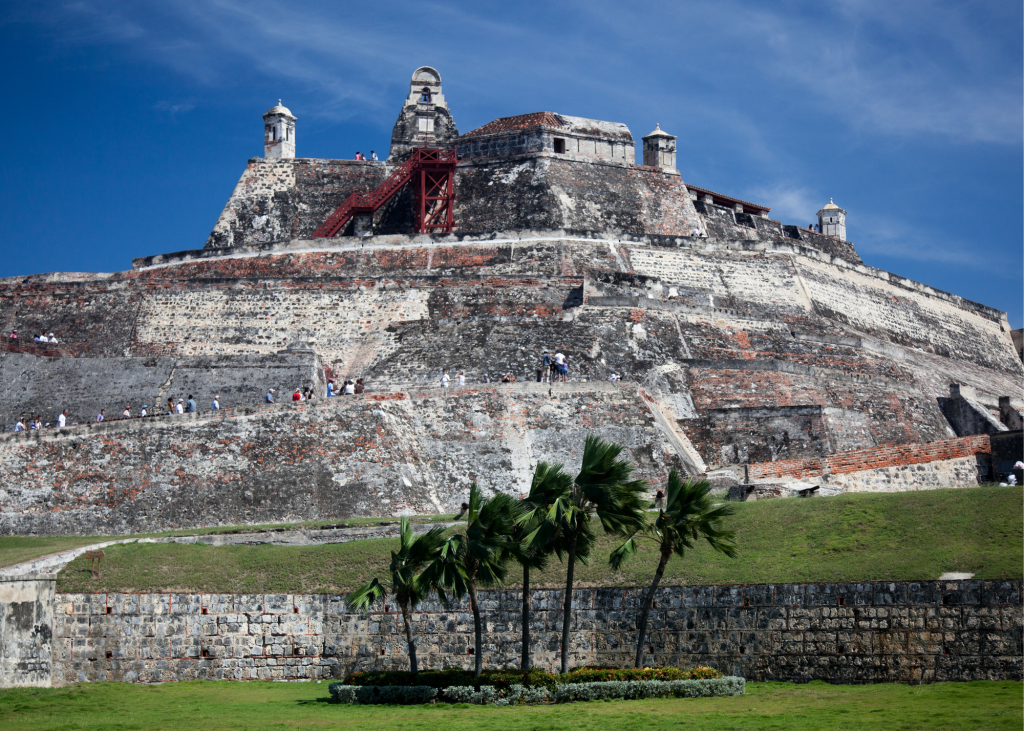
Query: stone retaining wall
(839,632)
(863,460)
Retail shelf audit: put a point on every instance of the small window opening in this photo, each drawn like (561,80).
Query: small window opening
(559,146)
(945,599)
(273,134)
(945,650)
(842,601)
(839,649)
(206,652)
(295,610)
(110,655)
(425,96)
(650,649)
(110,610)
(470,650)
(382,651)
(743,650)
(746,602)
(204,610)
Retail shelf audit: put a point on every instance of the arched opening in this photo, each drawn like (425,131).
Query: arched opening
(425,96)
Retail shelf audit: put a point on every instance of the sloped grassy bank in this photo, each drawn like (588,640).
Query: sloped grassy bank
(862,537)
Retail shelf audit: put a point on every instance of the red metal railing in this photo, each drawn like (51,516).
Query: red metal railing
(435,193)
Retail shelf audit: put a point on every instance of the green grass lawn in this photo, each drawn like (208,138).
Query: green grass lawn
(15,549)
(257,706)
(897,536)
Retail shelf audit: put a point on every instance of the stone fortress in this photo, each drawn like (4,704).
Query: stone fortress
(764,355)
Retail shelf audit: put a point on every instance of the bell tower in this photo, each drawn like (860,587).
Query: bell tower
(425,120)
(278,132)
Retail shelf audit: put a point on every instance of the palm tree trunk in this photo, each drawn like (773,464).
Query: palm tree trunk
(408,636)
(525,665)
(477,630)
(567,604)
(666,552)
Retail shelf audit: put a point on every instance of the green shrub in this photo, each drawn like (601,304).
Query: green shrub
(395,695)
(441,679)
(635,689)
(600,675)
(515,695)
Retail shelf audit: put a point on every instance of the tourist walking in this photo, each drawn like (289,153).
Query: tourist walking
(190,407)
(270,397)
(462,379)
(127,413)
(170,406)
(545,368)
(445,379)
(215,406)
(142,412)
(62,419)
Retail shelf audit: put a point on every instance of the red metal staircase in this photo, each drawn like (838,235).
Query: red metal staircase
(432,172)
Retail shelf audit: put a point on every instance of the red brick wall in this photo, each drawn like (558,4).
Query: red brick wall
(869,459)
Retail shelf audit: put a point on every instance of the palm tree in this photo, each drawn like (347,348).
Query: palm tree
(477,557)
(602,489)
(414,553)
(687,516)
(550,483)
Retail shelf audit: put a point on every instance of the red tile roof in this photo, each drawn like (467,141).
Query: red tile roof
(727,199)
(521,121)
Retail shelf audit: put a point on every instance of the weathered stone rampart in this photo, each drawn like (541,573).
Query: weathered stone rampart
(747,355)
(31,385)
(398,453)
(909,632)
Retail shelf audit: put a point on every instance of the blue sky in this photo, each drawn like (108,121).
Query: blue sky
(132,121)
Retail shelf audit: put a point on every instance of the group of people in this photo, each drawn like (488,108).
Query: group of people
(40,338)
(348,387)
(554,368)
(361,156)
(460,379)
(558,366)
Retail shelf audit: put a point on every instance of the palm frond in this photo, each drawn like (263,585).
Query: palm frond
(366,596)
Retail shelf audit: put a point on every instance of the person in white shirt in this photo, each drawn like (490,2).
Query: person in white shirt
(143,412)
(216,403)
(462,379)
(350,388)
(445,379)
(52,338)
(180,408)
(62,419)
(20,426)
(127,414)
(560,366)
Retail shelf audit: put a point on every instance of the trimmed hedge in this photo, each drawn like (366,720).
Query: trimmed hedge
(636,689)
(394,695)
(520,695)
(514,696)
(601,675)
(441,679)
